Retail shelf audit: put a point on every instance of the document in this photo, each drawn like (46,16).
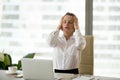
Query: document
(83,78)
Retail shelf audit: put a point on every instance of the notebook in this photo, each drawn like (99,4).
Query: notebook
(37,69)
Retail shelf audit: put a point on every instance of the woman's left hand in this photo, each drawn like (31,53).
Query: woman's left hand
(76,26)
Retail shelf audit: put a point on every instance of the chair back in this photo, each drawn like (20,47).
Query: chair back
(87,58)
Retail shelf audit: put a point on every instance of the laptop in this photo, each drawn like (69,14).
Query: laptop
(37,69)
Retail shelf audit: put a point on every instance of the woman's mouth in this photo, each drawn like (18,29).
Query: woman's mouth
(66,27)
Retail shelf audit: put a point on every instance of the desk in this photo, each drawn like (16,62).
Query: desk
(5,76)
(85,77)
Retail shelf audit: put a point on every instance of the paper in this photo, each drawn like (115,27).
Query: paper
(83,78)
(63,75)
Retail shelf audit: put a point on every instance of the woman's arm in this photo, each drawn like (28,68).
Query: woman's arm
(79,39)
(53,37)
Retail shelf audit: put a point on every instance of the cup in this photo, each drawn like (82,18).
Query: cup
(12,69)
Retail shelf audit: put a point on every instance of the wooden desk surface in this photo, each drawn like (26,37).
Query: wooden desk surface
(5,76)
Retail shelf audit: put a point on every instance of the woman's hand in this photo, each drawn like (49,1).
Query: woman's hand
(76,26)
(60,24)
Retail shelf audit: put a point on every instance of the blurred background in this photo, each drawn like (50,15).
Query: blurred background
(26,24)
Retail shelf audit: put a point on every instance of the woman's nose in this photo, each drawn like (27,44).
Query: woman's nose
(67,23)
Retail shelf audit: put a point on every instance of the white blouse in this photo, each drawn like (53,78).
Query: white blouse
(66,53)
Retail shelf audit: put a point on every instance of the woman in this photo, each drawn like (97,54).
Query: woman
(67,48)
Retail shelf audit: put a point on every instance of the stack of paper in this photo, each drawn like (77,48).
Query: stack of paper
(84,78)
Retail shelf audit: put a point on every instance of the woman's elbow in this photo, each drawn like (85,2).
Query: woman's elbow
(82,45)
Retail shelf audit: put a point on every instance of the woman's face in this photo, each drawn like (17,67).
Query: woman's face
(68,24)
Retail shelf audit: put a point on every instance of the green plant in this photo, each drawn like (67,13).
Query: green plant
(29,55)
(7,61)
